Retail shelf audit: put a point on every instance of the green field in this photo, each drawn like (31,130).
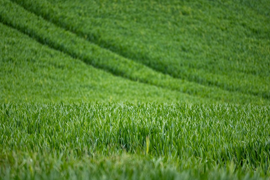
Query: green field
(134,89)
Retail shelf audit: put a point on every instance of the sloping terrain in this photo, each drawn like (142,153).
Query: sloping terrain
(75,36)
(148,89)
(33,72)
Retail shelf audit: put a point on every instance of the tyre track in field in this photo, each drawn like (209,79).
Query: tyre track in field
(118,64)
(101,43)
(58,47)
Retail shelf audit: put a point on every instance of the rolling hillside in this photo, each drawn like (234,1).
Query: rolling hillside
(191,54)
(134,89)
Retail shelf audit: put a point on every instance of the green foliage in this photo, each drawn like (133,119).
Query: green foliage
(190,138)
(78,46)
(218,44)
(32,72)
(119,89)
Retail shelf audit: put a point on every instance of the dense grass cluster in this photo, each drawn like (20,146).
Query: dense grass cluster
(193,138)
(119,89)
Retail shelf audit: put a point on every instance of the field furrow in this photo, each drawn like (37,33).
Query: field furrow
(33,72)
(67,42)
(215,59)
(134,90)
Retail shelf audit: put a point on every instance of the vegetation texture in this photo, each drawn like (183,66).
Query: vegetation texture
(119,89)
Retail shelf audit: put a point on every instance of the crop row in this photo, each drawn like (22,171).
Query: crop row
(228,50)
(69,43)
(30,71)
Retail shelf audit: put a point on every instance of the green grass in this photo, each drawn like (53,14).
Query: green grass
(34,72)
(134,89)
(193,139)
(210,43)
(80,48)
